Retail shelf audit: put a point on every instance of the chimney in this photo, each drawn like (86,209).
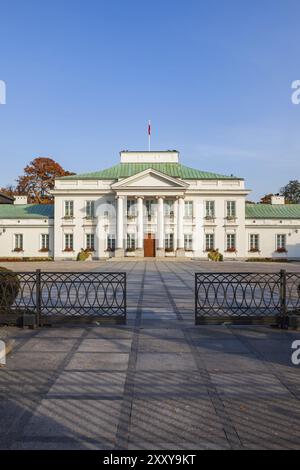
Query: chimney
(19,200)
(277,200)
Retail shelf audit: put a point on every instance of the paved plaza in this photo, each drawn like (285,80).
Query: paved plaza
(157,383)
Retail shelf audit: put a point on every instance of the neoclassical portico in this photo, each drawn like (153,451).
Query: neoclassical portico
(149,192)
(147,226)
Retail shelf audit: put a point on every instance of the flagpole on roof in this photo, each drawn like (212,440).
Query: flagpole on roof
(149,136)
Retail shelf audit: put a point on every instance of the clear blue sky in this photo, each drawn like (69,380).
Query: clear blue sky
(84,77)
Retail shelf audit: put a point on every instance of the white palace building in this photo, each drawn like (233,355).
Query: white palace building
(149,205)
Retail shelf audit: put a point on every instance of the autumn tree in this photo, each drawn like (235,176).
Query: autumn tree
(291,192)
(9,191)
(38,180)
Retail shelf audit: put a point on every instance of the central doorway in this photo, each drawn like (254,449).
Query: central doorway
(149,245)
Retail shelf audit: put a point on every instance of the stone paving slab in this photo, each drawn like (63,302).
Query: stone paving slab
(98,361)
(152,385)
(107,332)
(268,423)
(175,421)
(14,382)
(61,332)
(202,444)
(48,345)
(91,384)
(105,345)
(165,361)
(210,332)
(92,419)
(226,362)
(63,444)
(205,346)
(36,360)
(252,386)
(170,345)
(12,412)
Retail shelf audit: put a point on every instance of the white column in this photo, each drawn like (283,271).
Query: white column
(160,221)
(180,236)
(175,223)
(120,223)
(140,224)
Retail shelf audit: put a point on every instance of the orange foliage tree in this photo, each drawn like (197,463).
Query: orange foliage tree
(38,180)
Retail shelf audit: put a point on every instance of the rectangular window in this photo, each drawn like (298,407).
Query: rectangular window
(210,209)
(131,207)
(169,241)
(18,242)
(45,242)
(209,242)
(90,242)
(188,209)
(69,209)
(90,209)
(150,208)
(188,242)
(254,242)
(131,241)
(169,208)
(110,210)
(231,242)
(281,242)
(111,242)
(231,209)
(69,241)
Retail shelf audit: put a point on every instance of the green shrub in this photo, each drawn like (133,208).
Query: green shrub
(83,255)
(215,255)
(9,288)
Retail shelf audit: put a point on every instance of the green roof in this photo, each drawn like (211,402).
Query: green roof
(26,211)
(269,211)
(124,170)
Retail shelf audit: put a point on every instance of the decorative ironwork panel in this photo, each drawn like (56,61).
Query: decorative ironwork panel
(237,295)
(17,292)
(65,294)
(88,294)
(293,292)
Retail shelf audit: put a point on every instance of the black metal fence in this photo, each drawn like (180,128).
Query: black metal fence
(67,295)
(246,297)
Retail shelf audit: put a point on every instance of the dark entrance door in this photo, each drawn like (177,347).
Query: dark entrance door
(149,246)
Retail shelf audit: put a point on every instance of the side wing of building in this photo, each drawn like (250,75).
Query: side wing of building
(26,231)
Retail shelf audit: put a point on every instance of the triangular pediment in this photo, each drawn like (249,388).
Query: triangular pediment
(150,179)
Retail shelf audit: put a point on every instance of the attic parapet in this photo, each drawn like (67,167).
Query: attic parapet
(169,156)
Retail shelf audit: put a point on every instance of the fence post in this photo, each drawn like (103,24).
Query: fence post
(196,303)
(283,302)
(125,296)
(38,297)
